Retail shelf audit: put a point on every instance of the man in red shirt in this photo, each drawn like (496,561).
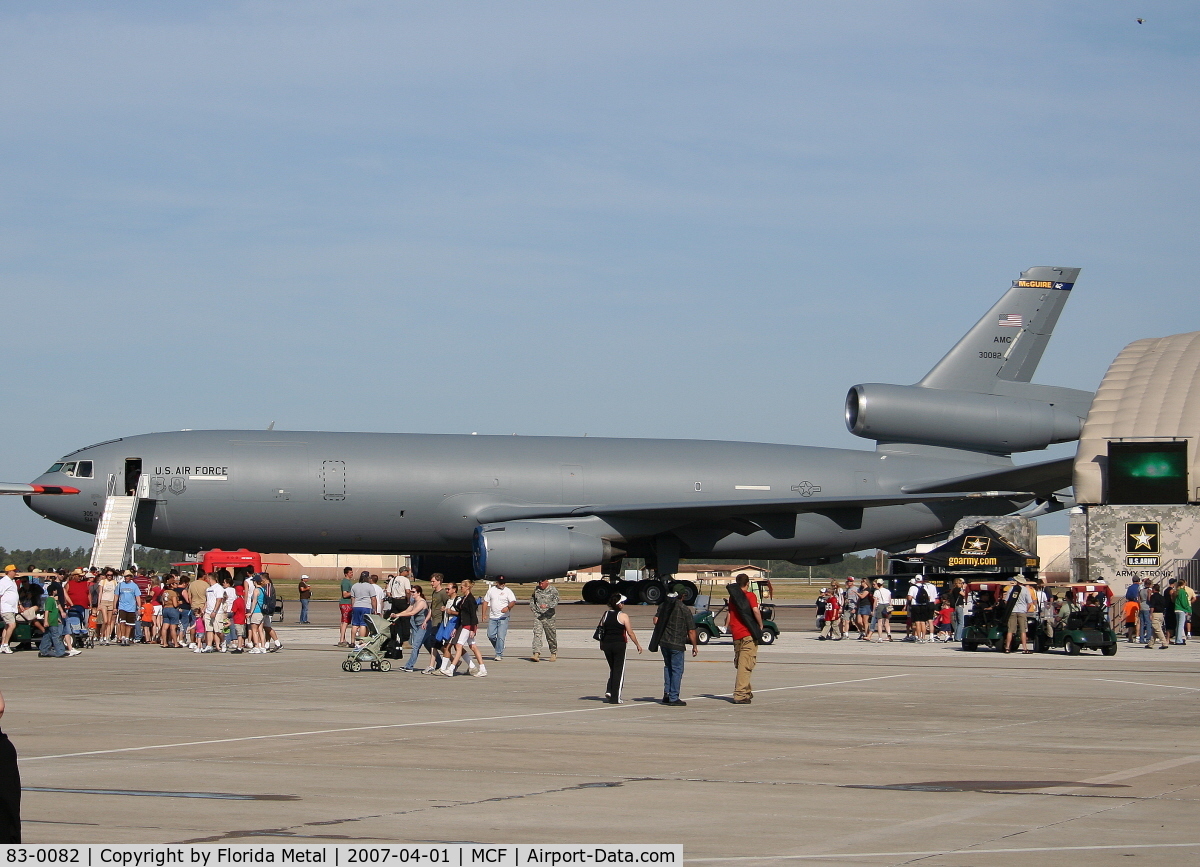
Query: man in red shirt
(79,597)
(745,650)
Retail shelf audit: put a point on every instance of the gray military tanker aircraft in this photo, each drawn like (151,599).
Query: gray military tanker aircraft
(533,507)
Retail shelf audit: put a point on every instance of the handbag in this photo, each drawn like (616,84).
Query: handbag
(446,630)
(598,635)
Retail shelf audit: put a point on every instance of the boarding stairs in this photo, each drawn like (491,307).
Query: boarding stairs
(115,533)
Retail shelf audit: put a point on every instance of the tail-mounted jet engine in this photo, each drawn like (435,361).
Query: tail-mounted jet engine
(530,550)
(957,419)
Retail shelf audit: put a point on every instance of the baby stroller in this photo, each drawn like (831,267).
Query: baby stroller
(85,635)
(378,633)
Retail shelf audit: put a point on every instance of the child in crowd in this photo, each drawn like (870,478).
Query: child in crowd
(147,621)
(1130,612)
(944,621)
(237,624)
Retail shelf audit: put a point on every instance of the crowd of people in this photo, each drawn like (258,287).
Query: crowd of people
(445,623)
(94,607)
(1152,614)
(864,606)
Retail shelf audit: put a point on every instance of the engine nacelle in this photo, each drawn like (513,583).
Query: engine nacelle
(957,419)
(530,550)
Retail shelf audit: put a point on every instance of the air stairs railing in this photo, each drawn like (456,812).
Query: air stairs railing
(116,533)
(1187,571)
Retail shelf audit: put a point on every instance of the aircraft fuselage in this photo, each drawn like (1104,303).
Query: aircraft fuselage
(322,492)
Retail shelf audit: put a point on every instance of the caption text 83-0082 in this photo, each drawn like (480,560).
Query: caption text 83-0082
(341,855)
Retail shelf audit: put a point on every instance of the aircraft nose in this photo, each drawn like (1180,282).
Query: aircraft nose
(55,497)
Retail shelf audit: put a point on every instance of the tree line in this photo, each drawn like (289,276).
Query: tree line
(74,558)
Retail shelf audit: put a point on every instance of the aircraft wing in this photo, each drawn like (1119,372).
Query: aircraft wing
(722,509)
(17,489)
(1042,478)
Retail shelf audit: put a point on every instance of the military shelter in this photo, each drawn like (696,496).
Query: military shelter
(980,549)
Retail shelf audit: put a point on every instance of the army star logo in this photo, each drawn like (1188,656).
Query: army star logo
(976,545)
(806,488)
(1141,537)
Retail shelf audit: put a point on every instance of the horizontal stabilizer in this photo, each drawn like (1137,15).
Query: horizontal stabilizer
(724,509)
(1043,478)
(17,489)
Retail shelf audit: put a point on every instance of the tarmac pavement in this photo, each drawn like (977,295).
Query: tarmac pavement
(852,753)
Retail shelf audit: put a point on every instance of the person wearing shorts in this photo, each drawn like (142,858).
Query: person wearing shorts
(1018,620)
(10,604)
(881,618)
(364,602)
(171,599)
(346,606)
(468,625)
(214,603)
(106,603)
(863,607)
(129,597)
(1131,612)
(196,590)
(921,599)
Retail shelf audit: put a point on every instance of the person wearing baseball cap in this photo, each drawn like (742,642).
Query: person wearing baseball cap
(497,603)
(10,604)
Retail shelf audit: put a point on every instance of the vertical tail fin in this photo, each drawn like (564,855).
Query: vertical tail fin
(1008,342)
(979,397)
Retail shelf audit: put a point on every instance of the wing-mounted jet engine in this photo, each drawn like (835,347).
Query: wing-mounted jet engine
(531,550)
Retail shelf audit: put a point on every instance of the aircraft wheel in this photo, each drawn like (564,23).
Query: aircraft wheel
(691,591)
(1109,649)
(650,592)
(385,665)
(630,590)
(596,592)
(768,637)
(1072,648)
(703,636)
(355,666)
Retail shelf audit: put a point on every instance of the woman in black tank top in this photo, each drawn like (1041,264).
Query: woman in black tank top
(615,633)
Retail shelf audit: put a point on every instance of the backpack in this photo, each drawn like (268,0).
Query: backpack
(268,600)
(922,596)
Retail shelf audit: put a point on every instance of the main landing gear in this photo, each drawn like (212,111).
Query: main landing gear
(651,591)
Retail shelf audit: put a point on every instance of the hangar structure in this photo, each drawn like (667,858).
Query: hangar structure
(1137,468)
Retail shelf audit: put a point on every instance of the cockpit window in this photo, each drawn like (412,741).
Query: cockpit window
(54,469)
(69,469)
(83,470)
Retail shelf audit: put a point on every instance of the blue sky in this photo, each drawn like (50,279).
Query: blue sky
(688,219)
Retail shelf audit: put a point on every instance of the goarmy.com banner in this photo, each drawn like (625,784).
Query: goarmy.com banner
(341,855)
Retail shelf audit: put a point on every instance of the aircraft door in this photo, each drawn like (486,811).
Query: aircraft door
(133,475)
(333,476)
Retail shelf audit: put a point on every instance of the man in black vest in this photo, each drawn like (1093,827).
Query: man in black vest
(674,624)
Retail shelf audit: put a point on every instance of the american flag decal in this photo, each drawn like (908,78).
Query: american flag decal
(1013,320)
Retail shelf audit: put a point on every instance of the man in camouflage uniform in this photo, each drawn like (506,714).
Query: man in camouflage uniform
(543,603)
